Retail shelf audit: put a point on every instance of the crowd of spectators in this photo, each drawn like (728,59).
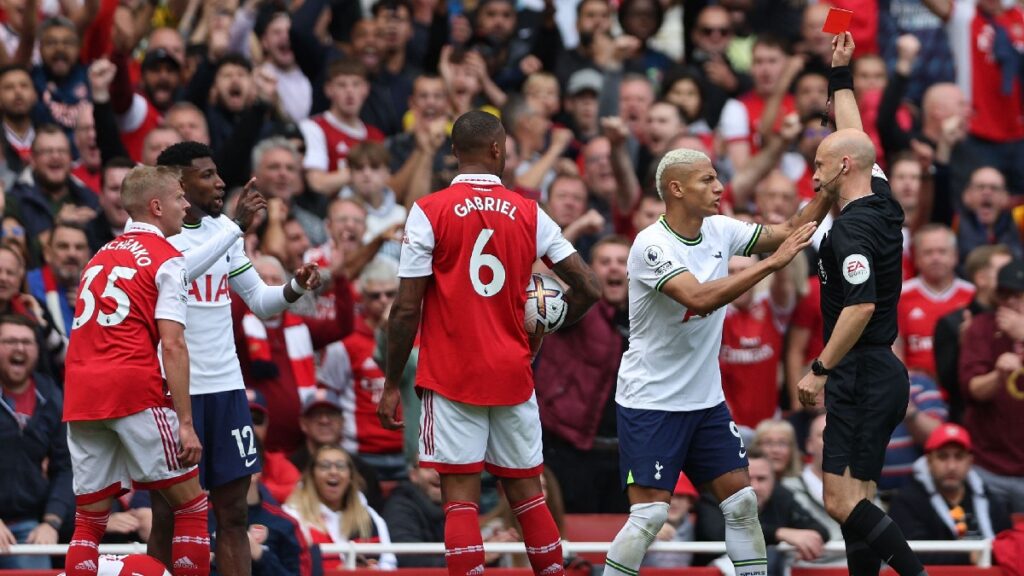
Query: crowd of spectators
(342,111)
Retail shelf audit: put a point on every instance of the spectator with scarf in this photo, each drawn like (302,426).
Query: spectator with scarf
(276,354)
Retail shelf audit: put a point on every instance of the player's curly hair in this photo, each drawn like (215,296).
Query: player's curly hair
(182,154)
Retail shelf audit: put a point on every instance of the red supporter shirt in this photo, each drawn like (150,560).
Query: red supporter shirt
(112,364)
(328,141)
(744,124)
(349,364)
(479,241)
(749,359)
(994,116)
(807,315)
(917,314)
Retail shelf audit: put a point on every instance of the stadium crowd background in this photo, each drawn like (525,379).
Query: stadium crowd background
(342,111)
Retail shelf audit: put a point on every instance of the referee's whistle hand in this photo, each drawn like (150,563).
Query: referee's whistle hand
(809,389)
(191,450)
(387,408)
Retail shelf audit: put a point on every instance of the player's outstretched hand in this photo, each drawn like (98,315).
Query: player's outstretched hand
(793,245)
(308,276)
(809,389)
(249,205)
(842,49)
(191,450)
(387,408)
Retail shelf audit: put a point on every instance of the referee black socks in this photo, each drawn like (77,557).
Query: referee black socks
(868,524)
(860,559)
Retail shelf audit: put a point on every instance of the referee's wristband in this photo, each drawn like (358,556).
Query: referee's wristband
(840,78)
(296,287)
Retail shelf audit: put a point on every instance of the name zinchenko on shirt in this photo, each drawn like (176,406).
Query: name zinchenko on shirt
(486,204)
(133,246)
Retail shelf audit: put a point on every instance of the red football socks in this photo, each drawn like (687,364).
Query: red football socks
(190,547)
(463,543)
(84,554)
(543,543)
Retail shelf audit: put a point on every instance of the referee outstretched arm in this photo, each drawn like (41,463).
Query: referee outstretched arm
(867,387)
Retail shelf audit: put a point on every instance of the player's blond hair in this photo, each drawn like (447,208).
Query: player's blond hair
(143,183)
(684,156)
(355,520)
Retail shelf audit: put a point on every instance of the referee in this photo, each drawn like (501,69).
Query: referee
(860,270)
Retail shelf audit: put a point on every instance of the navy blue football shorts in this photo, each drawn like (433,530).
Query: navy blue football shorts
(655,445)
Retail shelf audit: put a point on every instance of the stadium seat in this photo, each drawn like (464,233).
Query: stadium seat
(592,528)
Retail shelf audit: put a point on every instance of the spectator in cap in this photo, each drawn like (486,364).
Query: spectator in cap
(322,424)
(581,103)
(990,370)
(947,500)
(678,528)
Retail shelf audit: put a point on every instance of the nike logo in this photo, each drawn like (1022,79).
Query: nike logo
(249,463)
(719,255)
(743,453)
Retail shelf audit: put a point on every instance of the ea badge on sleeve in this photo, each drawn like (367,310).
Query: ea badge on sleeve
(837,21)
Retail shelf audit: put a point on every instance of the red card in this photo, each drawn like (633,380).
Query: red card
(837,21)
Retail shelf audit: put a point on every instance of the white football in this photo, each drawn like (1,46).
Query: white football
(545,305)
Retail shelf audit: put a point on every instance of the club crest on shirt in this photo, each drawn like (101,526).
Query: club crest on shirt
(654,256)
(856,269)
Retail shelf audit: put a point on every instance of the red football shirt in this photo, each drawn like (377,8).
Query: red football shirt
(479,241)
(919,311)
(755,106)
(112,364)
(994,115)
(807,314)
(349,365)
(749,359)
(328,141)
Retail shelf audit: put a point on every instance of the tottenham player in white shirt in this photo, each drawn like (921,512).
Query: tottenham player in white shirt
(217,265)
(672,415)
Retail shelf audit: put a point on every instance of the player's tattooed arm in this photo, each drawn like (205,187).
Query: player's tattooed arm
(584,287)
(773,235)
(403,324)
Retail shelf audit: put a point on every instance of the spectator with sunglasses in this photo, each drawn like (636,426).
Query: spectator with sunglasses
(349,368)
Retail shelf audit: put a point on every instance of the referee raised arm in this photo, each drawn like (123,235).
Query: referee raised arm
(866,384)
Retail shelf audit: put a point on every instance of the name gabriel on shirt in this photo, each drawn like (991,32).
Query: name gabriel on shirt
(486,204)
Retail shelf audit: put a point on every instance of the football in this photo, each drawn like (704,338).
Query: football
(545,305)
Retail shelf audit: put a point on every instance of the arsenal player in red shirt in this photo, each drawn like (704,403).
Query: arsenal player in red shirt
(467,257)
(120,429)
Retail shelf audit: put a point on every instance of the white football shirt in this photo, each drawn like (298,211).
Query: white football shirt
(672,361)
(211,341)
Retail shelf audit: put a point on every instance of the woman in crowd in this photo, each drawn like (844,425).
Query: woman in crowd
(331,510)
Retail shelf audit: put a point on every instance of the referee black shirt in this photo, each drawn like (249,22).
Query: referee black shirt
(860,261)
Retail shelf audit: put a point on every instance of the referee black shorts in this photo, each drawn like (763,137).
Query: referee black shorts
(865,399)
